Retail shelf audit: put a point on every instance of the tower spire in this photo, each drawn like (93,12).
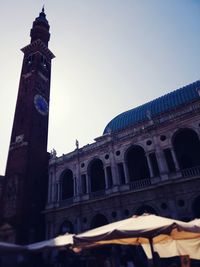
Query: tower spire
(40,29)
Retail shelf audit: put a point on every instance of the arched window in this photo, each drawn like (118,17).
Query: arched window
(98,220)
(97,175)
(66,227)
(145,209)
(67,185)
(187,148)
(137,163)
(196,207)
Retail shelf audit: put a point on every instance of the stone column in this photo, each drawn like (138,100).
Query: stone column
(161,161)
(106,177)
(174,159)
(149,165)
(58,190)
(88,189)
(75,186)
(78,184)
(162,164)
(126,173)
(50,178)
(114,170)
(53,193)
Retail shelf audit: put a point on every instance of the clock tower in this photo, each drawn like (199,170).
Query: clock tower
(25,186)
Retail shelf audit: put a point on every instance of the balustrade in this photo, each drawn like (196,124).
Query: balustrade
(191,172)
(139,184)
(135,185)
(66,201)
(97,193)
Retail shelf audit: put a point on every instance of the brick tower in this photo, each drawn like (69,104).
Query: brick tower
(25,186)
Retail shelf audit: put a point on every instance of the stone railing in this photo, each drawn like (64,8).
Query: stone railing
(191,172)
(66,202)
(139,184)
(97,194)
(134,185)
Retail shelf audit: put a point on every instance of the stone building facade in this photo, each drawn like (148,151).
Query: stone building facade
(147,160)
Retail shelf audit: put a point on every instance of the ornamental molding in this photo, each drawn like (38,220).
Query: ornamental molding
(38,44)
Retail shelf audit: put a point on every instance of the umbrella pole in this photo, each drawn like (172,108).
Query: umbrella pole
(152,251)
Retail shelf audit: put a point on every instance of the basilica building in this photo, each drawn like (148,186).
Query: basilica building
(147,160)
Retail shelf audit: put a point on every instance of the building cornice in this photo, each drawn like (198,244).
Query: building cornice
(33,47)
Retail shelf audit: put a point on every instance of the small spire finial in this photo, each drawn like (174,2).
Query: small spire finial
(77,144)
(43,8)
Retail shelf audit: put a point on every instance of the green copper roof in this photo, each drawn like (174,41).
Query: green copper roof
(153,108)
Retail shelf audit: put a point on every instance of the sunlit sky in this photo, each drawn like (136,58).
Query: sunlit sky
(111,56)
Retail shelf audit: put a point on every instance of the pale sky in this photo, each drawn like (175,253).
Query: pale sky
(111,56)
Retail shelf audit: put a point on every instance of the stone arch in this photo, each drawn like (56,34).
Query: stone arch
(145,209)
(187,148)
(66,227)
(8,233)
(196,207)
(137,163)
(98,220)
(97,175)
(67,184)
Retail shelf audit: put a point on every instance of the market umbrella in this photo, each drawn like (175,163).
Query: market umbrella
(195,222)
(11,247)
(57,242)
(137,230)
(178,247)
(173,248)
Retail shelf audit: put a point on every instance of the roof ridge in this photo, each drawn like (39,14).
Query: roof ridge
(156,106)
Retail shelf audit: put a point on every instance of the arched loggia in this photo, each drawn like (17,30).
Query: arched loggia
(196,207)
(137,163)
(67,185)
(97,175)
(98,220)
(66,227)
(145,209)
(187,148)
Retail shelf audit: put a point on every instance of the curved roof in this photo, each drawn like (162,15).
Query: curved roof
(42,17)
(155,107)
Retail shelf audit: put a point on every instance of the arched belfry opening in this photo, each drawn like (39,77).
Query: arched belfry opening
(67,185)
(187,148)
(98,220)
(97,175)
(137,163)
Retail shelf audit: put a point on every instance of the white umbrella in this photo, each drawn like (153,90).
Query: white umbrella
(57,242)
(178,247)
(137,230)
(195,222)
(172,248)
(10,247)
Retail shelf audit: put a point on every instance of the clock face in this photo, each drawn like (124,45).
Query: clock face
(41,104)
